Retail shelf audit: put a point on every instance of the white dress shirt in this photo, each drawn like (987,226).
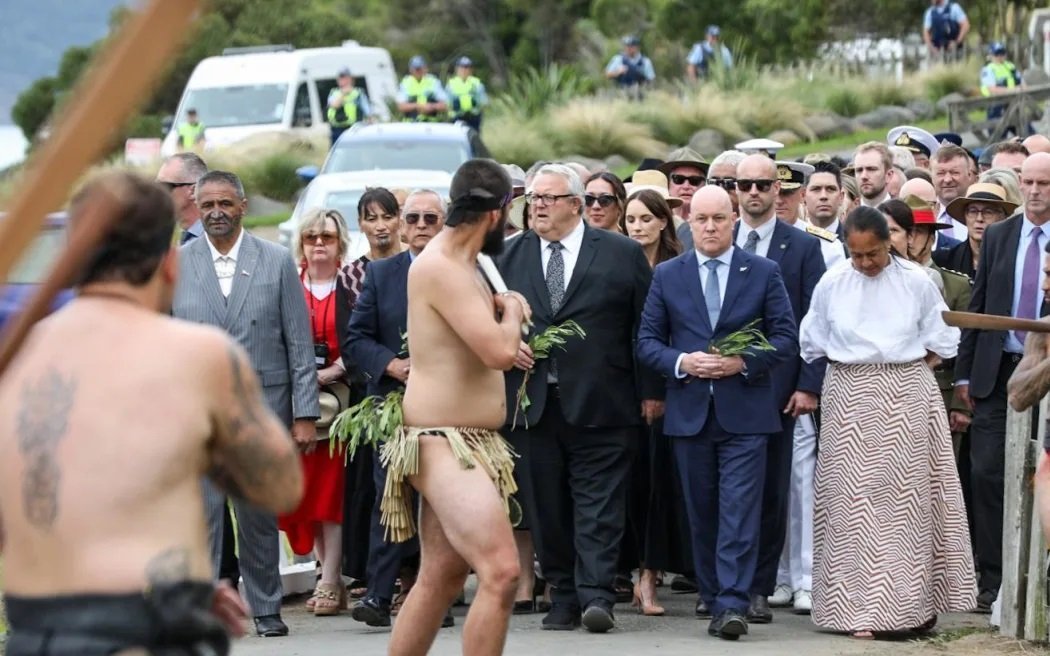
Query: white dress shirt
(878,201)
(891,318)
(722,271)
(570,251)
(833,251)
(765,236)
(226,265)
(1012,344)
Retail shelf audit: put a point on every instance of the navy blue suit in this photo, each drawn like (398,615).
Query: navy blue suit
(373,339)
(720,428)
(802,265)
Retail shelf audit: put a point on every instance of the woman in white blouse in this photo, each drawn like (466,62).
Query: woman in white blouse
(891,544)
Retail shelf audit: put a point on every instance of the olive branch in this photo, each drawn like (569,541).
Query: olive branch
(747,339)
(542,344)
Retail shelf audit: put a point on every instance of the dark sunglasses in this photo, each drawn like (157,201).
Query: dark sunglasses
(429,218)
(729,184)
(763,185)
(603,200)
(326,238)
(695,180)
(175,185)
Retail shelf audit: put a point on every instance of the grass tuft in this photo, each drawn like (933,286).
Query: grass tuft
(597,128)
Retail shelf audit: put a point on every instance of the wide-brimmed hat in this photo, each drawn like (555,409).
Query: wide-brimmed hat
(654,181)
(922,213)
(982,192)
(684,156)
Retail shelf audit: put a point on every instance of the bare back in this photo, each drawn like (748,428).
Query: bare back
(450,384)
(108,420)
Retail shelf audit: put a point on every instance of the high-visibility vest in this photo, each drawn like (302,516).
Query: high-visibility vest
(190,134)
(345,116)
(421,92)
(1005,76)
(464,94)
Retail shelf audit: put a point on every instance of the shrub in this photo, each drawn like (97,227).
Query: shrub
(939,81)
(597,128)
(762,115)
(673,118)
(273,176)
(886,91)
(516,141)
(847,101)
(533,92)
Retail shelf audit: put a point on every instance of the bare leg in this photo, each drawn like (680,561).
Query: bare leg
(526,555)
(331,537)
(463,525)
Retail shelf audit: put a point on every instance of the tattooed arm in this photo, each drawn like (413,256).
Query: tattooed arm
(252,454)
(1031,380)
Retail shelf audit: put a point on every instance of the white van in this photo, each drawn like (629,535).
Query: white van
(247,91)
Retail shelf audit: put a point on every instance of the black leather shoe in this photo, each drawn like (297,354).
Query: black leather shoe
(683,584)
(702,611)
(448,620)
(598,616)
(371,611)
(730,625)
(270,626)
(562,617)
(985,600)
(759,612)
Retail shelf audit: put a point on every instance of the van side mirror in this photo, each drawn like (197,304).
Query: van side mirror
(166,123)
(307,173)
(303,119)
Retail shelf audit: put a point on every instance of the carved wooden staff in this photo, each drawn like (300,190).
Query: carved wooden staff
(994,322)
(112,89)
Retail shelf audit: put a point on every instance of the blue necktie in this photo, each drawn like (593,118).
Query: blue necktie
(712,296)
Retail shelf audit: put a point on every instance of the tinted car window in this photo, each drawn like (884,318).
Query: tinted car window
(256,104)
(356,155)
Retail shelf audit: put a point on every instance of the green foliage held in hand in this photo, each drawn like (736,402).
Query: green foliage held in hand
(541,344)
(746,340)
(369,423)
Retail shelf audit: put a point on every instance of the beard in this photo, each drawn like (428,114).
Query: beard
(493,244)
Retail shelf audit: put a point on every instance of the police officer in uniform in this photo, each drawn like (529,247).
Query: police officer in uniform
(191,133)
(466,94)
(346,105)
(998,76)
(631,69)
(421,96)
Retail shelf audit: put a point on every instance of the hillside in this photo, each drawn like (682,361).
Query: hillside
(33,40)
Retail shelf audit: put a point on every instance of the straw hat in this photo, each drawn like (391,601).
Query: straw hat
(981,192)
(653,181)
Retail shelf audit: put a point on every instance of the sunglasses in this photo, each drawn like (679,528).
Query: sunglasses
(326,238)
(175,185)
(763,185)
(695,180)
(429,218)
(729,184)
(603,200)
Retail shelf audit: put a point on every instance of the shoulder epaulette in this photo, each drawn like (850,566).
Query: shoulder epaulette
(817,231)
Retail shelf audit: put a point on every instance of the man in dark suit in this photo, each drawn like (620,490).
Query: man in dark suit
(375,340)
(249,287)
(721,411)
(1008,283)
(582,424)
(179,174)
(797,384)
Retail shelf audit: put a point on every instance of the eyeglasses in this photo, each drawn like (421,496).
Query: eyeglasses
(429,218)
(326,238)
(763,185)
(986,214)
(695,180)
(545,199)
(603,200)
(729,184)
(175,185)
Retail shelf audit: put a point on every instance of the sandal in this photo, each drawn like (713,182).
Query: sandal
(329,599)
(862,635)
(313,599)
(399,601)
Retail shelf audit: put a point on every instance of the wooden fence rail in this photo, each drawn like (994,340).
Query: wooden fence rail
(1020,108)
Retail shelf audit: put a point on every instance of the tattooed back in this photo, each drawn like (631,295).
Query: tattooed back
(108,419)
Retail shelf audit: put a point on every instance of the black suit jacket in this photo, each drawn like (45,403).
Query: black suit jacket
(597,376)
(981,351)
(380,317)
(957,258)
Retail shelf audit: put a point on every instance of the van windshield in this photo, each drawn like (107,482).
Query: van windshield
(363,155)
(255,104)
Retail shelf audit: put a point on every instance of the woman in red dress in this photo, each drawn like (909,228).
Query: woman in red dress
(320,247)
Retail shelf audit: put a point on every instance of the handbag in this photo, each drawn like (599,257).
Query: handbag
(333,398)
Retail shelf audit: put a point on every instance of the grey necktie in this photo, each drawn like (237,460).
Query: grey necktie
(751,245)
(712,296)
(556,276)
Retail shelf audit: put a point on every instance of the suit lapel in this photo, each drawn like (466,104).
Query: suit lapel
(1011,243)
(689,270)
(531,248)
(204,269)
(588,249)
(242,277)
(738,272)
(779,241)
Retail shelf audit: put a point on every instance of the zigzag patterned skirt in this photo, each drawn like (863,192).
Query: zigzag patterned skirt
(891,547)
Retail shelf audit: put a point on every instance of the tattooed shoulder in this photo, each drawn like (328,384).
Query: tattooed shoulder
(169,566)
(43,422)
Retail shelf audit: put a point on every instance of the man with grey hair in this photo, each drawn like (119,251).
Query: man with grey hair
(721,173)
(577,437)
(250,288)
(179,174)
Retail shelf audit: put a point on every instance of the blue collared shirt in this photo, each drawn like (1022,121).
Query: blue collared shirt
(722,272)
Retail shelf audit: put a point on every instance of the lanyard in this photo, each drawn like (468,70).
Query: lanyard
(308,282)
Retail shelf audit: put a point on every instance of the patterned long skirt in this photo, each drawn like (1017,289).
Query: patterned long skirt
(890,539)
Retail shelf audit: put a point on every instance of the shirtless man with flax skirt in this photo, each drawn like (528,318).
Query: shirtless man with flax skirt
(109,417)
(449,449)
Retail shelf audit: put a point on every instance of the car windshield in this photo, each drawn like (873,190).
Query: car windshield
(367,155)
(255,104)
(38,258)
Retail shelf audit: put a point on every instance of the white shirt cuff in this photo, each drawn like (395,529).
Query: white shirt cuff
(962,382)
(678,367)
